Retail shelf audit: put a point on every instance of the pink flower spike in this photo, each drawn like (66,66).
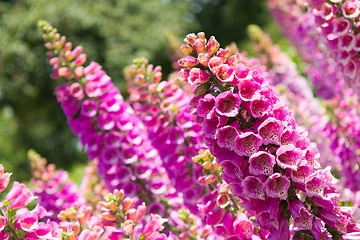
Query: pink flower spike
(287,156)
(253,188)
(227,104)
(198,76)
(277,185)
(19,196)
(247,144)
(261,163)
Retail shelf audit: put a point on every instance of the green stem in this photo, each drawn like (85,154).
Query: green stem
(234,202)
(10,226)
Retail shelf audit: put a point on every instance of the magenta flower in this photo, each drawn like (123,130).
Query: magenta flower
(302,217)
(226,137)
(206,106)
(247,143)
(271,130)
(155,224)
(277,185)
(261,163)
(287,156)
(248,88)
(198,76)
(227,104)
(19,196)
(253,187)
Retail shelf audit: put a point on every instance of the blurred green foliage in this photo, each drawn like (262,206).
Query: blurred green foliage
(112,32)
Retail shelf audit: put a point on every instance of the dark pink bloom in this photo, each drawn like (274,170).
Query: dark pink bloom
(287,156)
(253,187)
(248,143)
(227,104)
(89,108)
(302,217)
(206,106)
(261,163)
(243,226)
(226,136)
(271,130)
(248,88)
(198,76)
(277,185)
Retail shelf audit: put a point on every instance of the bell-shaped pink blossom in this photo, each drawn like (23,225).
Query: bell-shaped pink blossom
(198,76)
(302,217)
(206,106)
(227,104)
(243,226)
(248,143)
(19,196)
(261,163)
(350,9)
(89,108)
(271,130)
(248,88)
(277,185)
(253,187)
(155,224)
(226,136)
(288,156)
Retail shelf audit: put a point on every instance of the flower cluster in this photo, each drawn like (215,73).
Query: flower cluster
(52,187)
(106,125)
(266,157)
(338,21)
(162,106)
